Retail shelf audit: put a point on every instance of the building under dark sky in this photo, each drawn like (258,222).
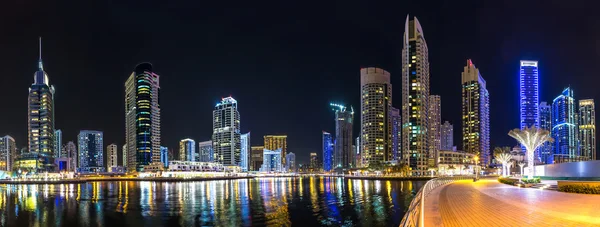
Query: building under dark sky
(283,61)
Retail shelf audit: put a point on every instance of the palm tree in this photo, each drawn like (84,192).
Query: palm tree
(531,138)
(521,164)
(504,158)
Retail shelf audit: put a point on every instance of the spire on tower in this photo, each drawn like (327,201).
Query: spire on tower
(40,65)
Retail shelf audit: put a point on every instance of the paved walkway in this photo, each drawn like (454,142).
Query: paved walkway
(489,203)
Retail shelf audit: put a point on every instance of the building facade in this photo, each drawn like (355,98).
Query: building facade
(564,128)
(396,134)
(314,161)
(327,151)
(587,128)
(272,161)
(58,144)
(91,151)
(111,152)
(125,157)
(226,133)
(415,98)
(452,162)
(447,136)
(475,114)
(187,149)
(290,163)
(256,159)
(73,155)
(142,117)
(40,120)
(376,116)
(544,153)
(529,94)
(164,156)
(274,142)
(435,129)
(205,151)
(8,153)
(245,151)
(343,154)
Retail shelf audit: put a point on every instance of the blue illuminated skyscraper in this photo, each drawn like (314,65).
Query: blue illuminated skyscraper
(245,151)
(564,128)
(529,94)
(164,156)
(327,151)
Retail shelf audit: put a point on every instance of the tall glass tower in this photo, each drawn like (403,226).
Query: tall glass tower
(142,117)
(343,153)
(544,153)
(564,128)
(415,98)
(587,128)
(245,151)
(529,94)
(327,152)
(187,150)
(475,114)
(226,136)
(40,120)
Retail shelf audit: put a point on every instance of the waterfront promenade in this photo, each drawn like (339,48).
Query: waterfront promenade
(489,203)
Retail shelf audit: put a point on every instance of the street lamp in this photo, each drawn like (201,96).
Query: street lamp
(476,165)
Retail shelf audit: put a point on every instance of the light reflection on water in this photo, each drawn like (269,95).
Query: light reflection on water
(306,201)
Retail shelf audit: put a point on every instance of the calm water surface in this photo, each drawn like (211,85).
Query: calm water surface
(306,201)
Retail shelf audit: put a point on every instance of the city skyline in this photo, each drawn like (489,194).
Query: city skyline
(498,63)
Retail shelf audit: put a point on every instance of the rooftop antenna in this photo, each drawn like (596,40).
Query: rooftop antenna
(40,65)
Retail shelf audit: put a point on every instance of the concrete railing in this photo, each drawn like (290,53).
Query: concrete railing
(415,215)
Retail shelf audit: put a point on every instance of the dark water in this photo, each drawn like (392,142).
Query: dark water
(307,201)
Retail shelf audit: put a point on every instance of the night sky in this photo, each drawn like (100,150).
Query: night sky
(284,61)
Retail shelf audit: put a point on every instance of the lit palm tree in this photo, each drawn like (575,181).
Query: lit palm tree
(531,139)
(504,158)
(521,164)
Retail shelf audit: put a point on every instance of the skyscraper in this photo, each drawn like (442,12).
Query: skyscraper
(343,153)
(142,117)
(58,143)
(396,134)
(8,153)
(272,161)
(245,151)
(475,114)
(290,163)
(376,117)
(91,151)
(111,152)
(587,128)
(358,161)
(415,97)
(257,157)
(564,128)
(226,132)
(447,137)
(314,160)
(274,142)
(124,160)
(205,151)
(544,153)
(529,94)
(187,149)
(71,150)
(164,156)
(327,151)
(435,121)
(41,117)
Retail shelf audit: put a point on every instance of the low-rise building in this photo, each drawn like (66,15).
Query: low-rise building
(196,166)
(455,163)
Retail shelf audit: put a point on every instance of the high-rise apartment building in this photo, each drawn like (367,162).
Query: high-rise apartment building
(314,160)
(272,161)
(256,159)
(40,120)
(435,129)
(343,154)
(226,132)
(564,128)
(58,143)
(475,114)
(245,151)
(8,153)
(187,149)
(164,156)
(587,128)
(415,97)
(111,152)
(142,117)
(544,153)
(205,151)
(274,142)
(396,134)
(125,157)
(447,136)
(71,151)
(327,151)
(529,94)
(376,116)
(290,163)
(91,151)
(358,161)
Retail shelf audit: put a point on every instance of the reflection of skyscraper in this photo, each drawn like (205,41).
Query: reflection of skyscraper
(205,151)
(376,116)
(476,115)
(327,151)
(245,150)
(447,137)
(111,153)
(41,116)
(564,128)
(343,154)
(435,121)
(274,142)
(396,134)
(142,117)
(544,153)
(187,149)
(8,152)
(91,151)
(415,97)
(587,128)
(226,132)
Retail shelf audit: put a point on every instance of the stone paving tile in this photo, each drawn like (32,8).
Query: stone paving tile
(489,203)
